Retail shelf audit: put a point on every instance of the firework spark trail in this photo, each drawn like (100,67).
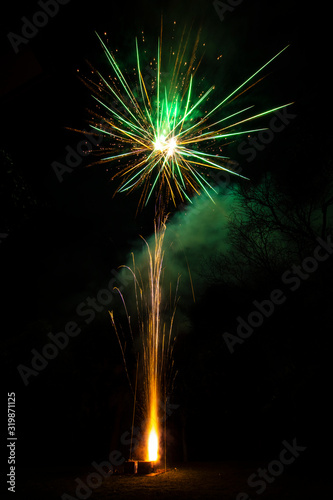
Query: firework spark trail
(156,336)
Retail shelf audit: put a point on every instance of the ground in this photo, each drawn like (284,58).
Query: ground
(208,481)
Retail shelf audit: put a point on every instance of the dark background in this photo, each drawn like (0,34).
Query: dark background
(65,238)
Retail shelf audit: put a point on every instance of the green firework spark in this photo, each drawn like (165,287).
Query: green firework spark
(163,138)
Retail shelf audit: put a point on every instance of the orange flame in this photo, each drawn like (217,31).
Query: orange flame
(153,446)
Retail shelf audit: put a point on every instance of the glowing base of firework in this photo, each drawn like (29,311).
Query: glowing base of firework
(138,467)
(149,453)
(145,467)
(153,445)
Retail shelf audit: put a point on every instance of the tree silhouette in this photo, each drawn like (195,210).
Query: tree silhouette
(271,228)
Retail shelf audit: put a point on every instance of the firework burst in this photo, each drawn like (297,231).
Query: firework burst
(162,136)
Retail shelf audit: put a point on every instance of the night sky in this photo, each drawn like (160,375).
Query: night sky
(62,242)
